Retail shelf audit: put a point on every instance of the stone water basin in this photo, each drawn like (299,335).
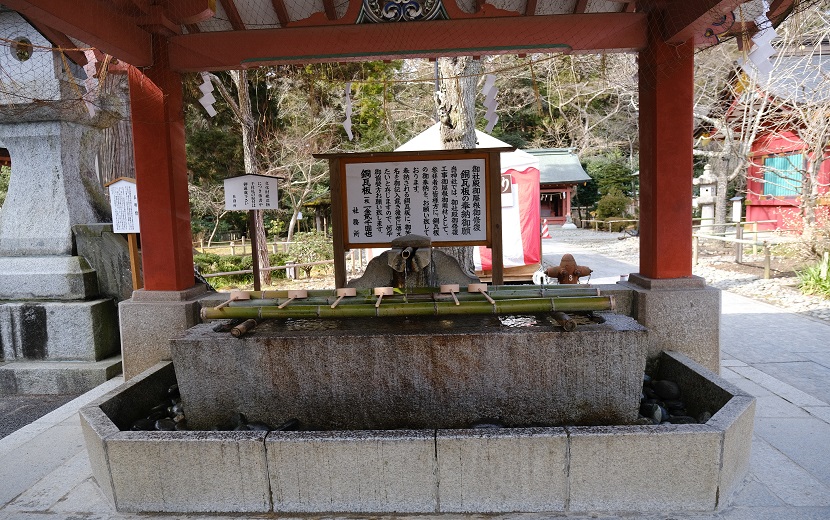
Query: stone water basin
(423,373)
(693,467)
(611,468)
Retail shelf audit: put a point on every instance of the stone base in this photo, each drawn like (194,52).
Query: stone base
(682,315)
(149,319)
(418,373)
(46,278)
(58,331)
(56,377)
(665,468)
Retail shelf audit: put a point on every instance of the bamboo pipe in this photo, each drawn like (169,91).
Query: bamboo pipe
(523,306)
(541,290)
(361,297)
(564,321)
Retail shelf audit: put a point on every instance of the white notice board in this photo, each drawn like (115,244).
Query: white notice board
(444,199)
(251,192)
(124,205)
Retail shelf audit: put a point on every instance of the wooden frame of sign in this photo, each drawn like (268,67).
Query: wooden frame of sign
(347,169)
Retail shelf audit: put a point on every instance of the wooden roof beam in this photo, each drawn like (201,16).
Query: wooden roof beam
(282,12)
(333,43)
(684,19)
(92,22)
(233,15)
(61,41)
(328,7)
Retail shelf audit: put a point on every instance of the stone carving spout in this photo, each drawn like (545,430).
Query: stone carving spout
(410,254)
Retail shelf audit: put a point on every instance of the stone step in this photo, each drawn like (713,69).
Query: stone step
(56,377)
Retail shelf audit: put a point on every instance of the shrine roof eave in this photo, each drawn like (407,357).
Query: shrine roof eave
(615,32)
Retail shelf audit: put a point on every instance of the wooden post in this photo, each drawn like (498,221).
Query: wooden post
(135,266)
(494,203)
(254,255)
(695,247)
(739,247)
(766,261)
(337,223)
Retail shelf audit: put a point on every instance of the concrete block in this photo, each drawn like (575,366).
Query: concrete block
(46,278)
(355,472)
(189,471)
(57,331)
(56,377)
(96,427)
(644,468)
(502,470)
(736,420)
(414,374)
(149,319)
(108,253)
(681,316)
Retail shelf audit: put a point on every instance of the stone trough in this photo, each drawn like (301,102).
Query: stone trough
(691,467)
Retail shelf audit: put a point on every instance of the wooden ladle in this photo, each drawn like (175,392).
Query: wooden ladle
(342,293)
(451,288)
(236,295)
(480,288)
(293,295)
(380,292)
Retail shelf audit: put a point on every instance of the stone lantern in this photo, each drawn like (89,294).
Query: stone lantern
(50,303)
(706,200)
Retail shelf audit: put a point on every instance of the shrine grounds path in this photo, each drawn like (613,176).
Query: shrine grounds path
(780,356)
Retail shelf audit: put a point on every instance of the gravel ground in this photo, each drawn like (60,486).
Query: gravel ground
(716,264)
(719,269)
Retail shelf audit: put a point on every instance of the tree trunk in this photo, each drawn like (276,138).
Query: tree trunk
(115,154)
(456,108)
(722,176)
(240,78)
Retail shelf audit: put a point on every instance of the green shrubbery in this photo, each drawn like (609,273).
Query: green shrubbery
(311,247)
(816,278)
(613,204)
(209,263)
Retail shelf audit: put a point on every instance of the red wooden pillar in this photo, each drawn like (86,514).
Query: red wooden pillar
(666,74)
(161,173)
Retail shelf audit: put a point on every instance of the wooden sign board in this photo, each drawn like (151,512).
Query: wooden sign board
(248,192)
(442,198)
(124,205)
(453,197)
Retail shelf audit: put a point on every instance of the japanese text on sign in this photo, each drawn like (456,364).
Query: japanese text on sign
(250,192)
(124,205)
(444,200)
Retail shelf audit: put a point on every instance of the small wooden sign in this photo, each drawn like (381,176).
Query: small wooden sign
(124,204)
(251,192)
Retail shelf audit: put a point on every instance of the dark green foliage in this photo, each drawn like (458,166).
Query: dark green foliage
(209,263)
(5,177)
(310,247)
(612,204)
(612,173)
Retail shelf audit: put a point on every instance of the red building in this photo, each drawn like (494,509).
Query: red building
(559,173)
(775,178)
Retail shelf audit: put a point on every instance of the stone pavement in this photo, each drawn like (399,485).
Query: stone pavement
(780,357)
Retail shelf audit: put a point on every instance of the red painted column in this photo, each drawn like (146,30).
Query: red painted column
(666,74)
(161,173)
